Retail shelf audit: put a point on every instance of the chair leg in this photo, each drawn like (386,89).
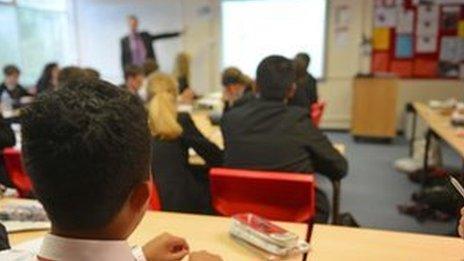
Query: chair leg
(309,232)
(336,185)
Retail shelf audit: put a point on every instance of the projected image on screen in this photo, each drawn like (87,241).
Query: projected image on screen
(254,29)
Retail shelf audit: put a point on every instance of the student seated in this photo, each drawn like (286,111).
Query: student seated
(266,134)
(11,86)
(182,74)
(91,73)
(7,139)
(48,81)
(306,85)
(70,74)
(86,148)
(180,187)
(133,78)
(238,88)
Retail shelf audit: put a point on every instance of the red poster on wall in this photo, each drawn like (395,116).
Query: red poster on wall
(380,62)
(402,68)
(425,68)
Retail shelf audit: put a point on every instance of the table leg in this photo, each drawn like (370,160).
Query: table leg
(428,140)
(413,134)
(336,185)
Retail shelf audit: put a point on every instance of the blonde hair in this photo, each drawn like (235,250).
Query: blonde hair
(182,66)
(162,109)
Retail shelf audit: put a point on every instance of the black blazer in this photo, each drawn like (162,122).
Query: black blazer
(16,94)
(7,139)
(148,39)
(177,187)
(269,135)
(306,92)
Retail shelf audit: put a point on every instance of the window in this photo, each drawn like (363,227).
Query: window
(254,29)
(38,32)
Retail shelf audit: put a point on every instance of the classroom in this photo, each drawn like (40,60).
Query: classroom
(208,130)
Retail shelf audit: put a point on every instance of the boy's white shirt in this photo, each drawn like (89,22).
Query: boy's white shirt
(59,248)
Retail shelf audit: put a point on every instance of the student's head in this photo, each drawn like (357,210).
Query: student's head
(182,66)
(86,148)
(235,83)
(49,77)
(133,76)
(70,74)
(133,23)
(275,78)
(150,66)
(302,61)
(11,74)
(91,73)
(162,88)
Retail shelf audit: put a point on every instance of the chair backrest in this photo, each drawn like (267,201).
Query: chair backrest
(273,195)
(16,172)
(317,111)
(154,202)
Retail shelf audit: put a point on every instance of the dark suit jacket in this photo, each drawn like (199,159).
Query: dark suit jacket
(7,139)
(306,92)
(148,39)
(178,189)
(269,135)
(16,94)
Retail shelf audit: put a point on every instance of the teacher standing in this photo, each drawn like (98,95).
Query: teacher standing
(137,47)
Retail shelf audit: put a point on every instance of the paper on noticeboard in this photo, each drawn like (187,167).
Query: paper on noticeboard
(426,43)
(452,49)
(404,47)
(427,20)
(381,39)
(461,29)
(449,18)
(405,22)
(385,16)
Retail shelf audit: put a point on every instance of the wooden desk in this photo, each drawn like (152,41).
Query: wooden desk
(342,243)
(440,125)
(201,232)
(328,242)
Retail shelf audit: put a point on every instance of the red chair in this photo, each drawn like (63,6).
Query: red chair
(317,110)
(154,202)
(16,173)
(273,195)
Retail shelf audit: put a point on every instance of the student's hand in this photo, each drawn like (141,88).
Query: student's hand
(203,256)
(166,247)
(461,224)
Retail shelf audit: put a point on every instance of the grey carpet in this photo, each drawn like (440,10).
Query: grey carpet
(373,188)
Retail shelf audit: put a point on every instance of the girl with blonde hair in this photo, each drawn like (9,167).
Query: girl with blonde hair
(174,133)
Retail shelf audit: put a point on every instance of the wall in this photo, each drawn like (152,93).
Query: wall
(343,63)
(100,24)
